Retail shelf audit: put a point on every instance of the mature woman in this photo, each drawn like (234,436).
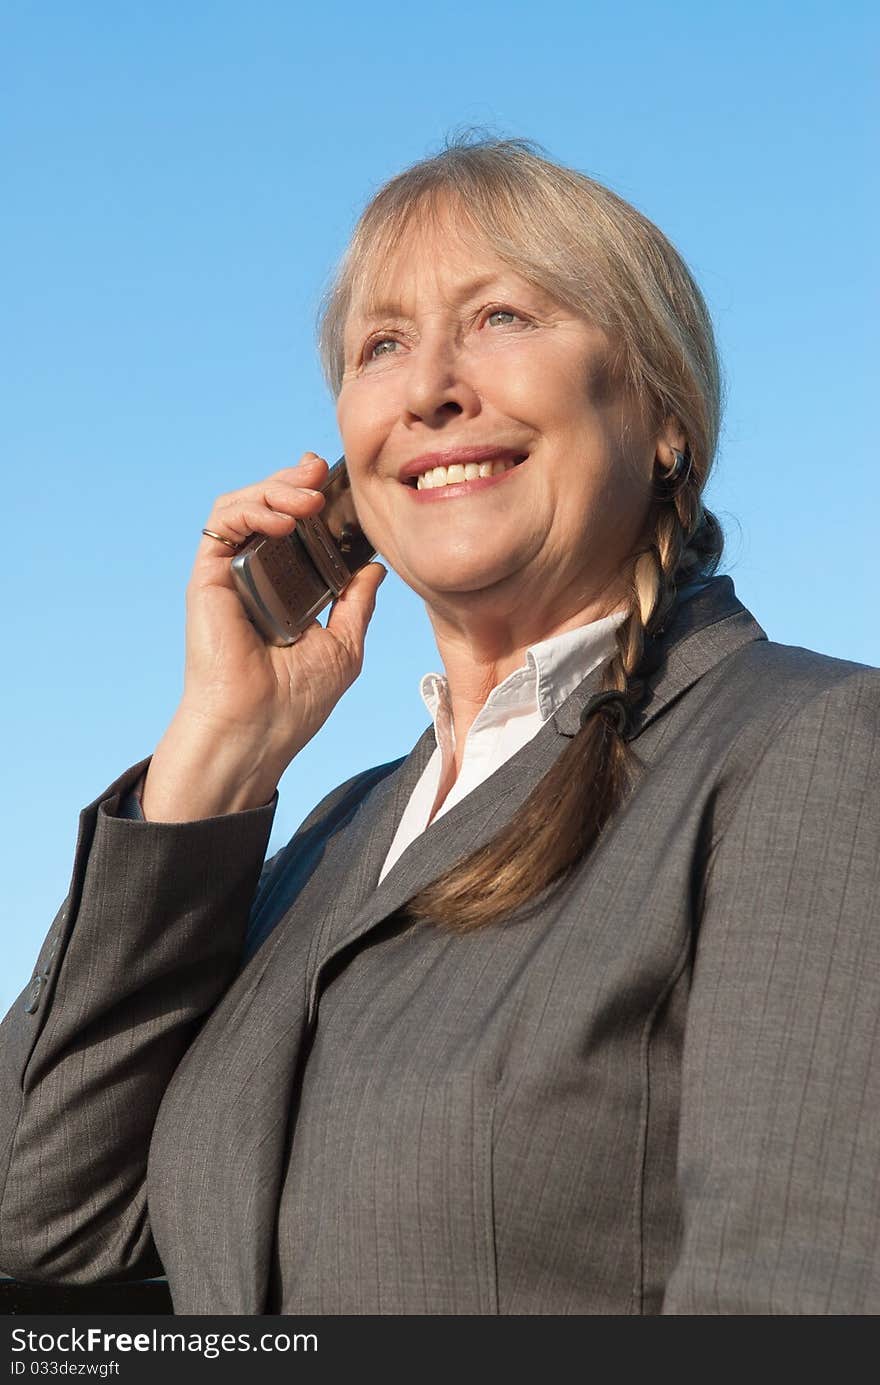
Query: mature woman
(573,1009)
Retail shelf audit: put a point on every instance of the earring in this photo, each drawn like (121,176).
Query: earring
(679,473)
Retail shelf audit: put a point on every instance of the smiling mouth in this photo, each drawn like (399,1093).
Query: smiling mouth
(468,471)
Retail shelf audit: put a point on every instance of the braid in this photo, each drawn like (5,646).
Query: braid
(557,824)
(653,596)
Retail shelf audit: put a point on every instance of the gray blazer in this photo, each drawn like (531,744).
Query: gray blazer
(656,1090)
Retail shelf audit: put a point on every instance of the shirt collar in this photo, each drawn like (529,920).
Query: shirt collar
(552,670)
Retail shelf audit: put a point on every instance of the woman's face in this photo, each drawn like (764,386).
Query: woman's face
(466,354)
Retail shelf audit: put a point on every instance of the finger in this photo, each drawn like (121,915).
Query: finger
(351,611)
(311,465)
(272,512)
(275,495)
(284,491)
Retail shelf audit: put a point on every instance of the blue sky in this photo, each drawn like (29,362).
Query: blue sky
(179,181)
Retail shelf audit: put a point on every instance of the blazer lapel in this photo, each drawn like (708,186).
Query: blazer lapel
(351,865)
(467,825)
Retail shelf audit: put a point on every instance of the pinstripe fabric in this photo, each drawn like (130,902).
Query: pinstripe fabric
(654,1091)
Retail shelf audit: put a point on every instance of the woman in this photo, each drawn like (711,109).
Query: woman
(572,1010)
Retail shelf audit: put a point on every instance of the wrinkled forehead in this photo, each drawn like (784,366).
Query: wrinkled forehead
(427,240)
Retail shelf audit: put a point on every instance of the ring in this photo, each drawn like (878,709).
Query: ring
(230,543)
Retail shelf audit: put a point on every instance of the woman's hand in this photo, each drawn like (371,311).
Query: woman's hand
(248,707)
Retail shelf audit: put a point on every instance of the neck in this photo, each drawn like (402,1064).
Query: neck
(480,648)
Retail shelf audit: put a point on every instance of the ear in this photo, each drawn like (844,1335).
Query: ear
(671,438)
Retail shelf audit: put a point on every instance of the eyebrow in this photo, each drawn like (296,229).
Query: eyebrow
(388,307)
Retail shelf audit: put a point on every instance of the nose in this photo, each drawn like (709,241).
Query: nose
(438,387)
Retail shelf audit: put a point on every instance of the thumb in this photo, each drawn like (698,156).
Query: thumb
(351,612)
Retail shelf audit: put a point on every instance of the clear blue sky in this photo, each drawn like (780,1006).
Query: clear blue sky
(179,180)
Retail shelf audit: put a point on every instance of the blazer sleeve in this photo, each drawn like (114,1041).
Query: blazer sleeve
(147,941)
(779,1152)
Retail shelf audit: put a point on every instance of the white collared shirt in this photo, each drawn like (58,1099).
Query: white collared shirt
(511,715)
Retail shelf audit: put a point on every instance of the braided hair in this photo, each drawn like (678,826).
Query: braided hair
(565,813)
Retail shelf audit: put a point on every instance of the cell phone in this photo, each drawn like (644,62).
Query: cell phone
(285,583)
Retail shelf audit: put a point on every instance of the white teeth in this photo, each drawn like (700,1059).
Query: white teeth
(456,473)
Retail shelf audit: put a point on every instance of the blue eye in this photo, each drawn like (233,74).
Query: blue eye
(370,350)
(382,346)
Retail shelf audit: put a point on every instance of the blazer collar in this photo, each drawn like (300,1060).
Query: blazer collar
(702,630)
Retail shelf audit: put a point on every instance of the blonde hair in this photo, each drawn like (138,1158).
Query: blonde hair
(593,251)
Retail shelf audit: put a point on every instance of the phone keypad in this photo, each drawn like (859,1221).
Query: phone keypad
(293,575)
